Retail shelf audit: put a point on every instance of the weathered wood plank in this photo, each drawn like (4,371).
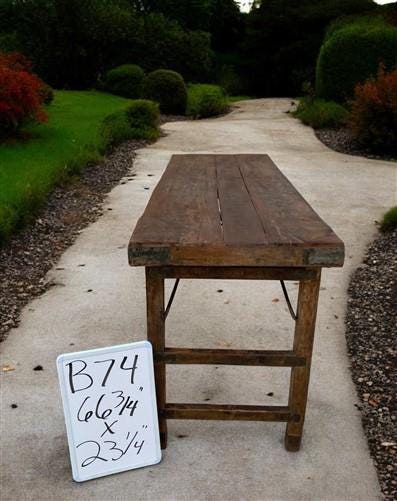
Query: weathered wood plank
(228,412)
(241,224)
(269,256)
(270,358)
(183,208)
(285,215)
(238,273)
(266,255)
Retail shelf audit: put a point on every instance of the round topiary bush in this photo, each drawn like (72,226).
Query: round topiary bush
(167,88)
(125,80)
(352,55)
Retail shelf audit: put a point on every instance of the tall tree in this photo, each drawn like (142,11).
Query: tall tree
(283,40)
(226,25)
(190,14)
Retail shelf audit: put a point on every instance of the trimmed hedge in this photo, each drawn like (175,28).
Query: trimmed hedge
(206,100)
(125,80)
(351,55)
(167,88)
(365,22)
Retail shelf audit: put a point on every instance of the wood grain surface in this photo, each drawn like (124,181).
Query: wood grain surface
(232,210)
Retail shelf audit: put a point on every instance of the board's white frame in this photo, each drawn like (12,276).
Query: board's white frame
(69,428)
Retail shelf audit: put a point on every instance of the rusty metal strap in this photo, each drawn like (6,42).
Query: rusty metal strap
(287,299)
(167,310)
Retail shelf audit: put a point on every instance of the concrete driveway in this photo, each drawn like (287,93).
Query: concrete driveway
(204,460)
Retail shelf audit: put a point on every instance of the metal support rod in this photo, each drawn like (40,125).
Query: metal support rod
(167,310)
(291,310)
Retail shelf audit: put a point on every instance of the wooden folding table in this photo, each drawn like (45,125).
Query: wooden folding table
(233,217)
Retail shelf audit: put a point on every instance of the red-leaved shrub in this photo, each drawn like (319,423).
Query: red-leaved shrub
(374,112)
(21,95)
(15,61)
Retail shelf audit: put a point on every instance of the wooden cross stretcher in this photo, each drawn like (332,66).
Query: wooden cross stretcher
(233,217)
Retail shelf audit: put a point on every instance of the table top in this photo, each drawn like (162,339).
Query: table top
(230,210)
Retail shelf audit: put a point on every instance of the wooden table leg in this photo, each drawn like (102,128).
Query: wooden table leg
(303,346)
(156,335)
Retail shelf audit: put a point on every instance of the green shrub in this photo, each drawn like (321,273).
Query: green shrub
(143,113)
(206,100)
(283,39)
(389,220)
(364,22)
(351,55)
(125,80)
(374,113)
(320,114)
(138,121)
(168,89)
(143,118)
(114,130)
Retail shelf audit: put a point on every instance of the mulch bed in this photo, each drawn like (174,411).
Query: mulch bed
(371,332)
(343,141)
(26,259)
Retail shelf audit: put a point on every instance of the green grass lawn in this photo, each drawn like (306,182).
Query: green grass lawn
(70,138)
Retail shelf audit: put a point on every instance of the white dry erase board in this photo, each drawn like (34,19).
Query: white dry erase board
(109,401)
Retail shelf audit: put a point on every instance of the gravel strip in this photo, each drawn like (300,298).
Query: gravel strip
(26,259)
(343,141)
(371,332)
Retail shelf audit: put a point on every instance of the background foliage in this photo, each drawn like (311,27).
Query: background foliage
(283,40)
(271,50)
(351,54)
